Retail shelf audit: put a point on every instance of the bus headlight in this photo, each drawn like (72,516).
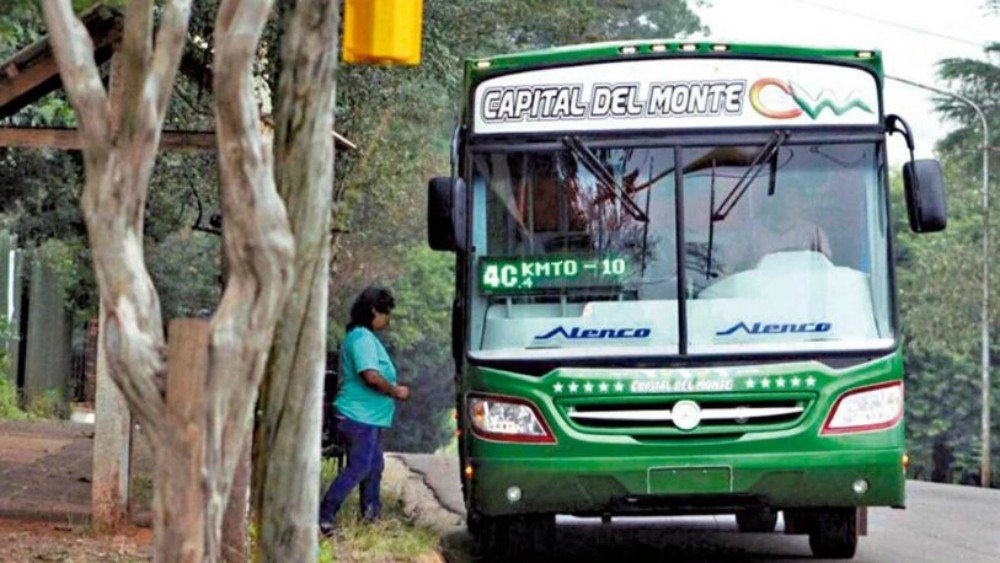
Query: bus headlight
(507,419)
(870,408)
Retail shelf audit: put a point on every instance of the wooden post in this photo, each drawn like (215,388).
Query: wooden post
(112,446)
(180,482)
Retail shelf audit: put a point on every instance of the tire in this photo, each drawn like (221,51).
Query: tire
(501,538)
(761,520)
(834,534)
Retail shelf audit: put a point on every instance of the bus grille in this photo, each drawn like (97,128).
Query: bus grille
(722,417)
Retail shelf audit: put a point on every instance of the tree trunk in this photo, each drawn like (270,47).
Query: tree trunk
(235,537)
(289,464)
(259,251)
(198,419)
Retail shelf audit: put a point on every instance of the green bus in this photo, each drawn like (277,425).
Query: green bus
(674,288)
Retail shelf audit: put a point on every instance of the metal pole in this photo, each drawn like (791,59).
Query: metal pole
(985,315)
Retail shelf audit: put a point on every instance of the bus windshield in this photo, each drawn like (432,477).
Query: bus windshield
(774,247)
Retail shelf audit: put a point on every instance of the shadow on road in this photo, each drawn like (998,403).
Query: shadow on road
(634,540)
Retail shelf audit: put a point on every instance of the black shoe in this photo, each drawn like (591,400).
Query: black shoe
(327,529)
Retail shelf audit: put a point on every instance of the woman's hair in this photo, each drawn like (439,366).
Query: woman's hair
(373,298)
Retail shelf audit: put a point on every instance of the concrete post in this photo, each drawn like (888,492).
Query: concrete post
(112,447)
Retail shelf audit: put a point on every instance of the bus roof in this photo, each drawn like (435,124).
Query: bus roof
(650,48)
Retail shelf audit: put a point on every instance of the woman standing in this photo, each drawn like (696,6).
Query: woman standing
(365,405)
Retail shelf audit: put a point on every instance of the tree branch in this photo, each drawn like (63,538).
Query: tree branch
(74,51)
(170,42)
(136,52)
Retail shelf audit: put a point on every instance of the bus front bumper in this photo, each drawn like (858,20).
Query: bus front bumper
(700,484)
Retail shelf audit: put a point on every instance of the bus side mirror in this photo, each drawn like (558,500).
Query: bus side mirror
(925,197)
(446,214)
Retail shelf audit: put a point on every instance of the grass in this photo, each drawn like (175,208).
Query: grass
(393,538)
(9,401)
(47,405)
(141,491)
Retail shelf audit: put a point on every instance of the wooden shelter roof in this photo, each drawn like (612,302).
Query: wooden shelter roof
(32,73)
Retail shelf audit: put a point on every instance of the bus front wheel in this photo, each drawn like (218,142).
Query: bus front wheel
(834,534)
(502,537)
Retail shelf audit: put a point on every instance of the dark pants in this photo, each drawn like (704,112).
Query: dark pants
(364,469)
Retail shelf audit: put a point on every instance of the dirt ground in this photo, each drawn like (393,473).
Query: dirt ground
(45,470)
(32,540)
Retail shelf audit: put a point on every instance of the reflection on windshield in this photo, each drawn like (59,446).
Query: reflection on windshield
(578,201)
(784,245)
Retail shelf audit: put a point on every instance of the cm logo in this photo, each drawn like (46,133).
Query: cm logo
(804,101)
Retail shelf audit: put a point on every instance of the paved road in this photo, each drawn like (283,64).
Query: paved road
(942,523)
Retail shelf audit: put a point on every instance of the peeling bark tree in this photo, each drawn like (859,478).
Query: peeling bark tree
(288,463)
(196,443)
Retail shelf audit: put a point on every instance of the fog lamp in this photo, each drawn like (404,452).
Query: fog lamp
(514,494)
(860,486)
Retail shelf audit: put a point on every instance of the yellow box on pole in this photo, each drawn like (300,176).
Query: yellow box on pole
(382,31)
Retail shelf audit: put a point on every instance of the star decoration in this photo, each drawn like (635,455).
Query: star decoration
(603,387)
(573,387)
(765,383)
(781,382)
(796,381)
(751,383)
(810,381)
(589,387)
(619,387)
(558,387)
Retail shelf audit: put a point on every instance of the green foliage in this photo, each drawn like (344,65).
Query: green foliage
(420,342)
(9,397)
(48,404)
(978,80)
(401,119)
(9,401)
(940,283)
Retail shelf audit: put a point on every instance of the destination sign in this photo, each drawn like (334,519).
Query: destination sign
(532,273)
(676,93)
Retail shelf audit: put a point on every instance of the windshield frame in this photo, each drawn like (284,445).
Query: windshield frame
(679,142)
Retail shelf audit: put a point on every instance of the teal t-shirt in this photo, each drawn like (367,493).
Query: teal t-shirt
(360,351)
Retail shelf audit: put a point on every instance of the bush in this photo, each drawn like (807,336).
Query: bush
(9,409)
(49,404)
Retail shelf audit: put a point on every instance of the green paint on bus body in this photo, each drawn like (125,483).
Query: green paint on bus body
(592,468)
(587,469)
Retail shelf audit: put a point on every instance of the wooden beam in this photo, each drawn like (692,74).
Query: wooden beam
(69,139)
(32,73)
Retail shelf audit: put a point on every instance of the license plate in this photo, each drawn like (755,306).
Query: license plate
(690,480)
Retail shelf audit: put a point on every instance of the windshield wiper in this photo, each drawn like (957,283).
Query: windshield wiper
(604,178)
(767,153)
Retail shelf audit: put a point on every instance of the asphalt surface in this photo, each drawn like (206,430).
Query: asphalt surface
(947,523)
